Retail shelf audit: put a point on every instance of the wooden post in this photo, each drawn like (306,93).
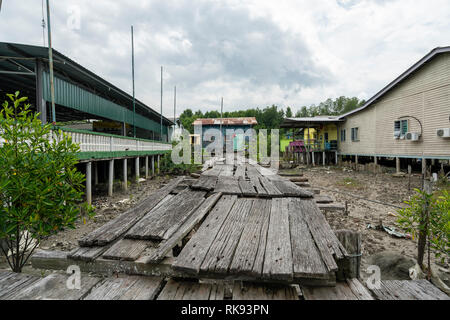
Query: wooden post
(89,182)
(324,158)
(146,167)
(349,268)
(409,177)
(153,166)
(356,162)
(111,177)
(136,166)
(125,174)
(375,160)
(336,158)
(397,164)
(424,169)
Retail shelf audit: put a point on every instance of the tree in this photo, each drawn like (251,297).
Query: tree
(428,219)
(40,189)
(288,112)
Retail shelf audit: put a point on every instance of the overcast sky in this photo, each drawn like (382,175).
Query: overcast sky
(253,52)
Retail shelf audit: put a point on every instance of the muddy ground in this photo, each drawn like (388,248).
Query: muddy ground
(345,185)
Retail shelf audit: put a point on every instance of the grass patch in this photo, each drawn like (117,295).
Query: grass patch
(350,183)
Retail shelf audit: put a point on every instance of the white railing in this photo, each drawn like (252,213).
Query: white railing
(91,142)
(108,143)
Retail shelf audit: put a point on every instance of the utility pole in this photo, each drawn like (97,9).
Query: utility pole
(50,56)
(161,129)
(132,72)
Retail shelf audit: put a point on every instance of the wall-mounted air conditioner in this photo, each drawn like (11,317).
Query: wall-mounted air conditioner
(443,133)
(413,136)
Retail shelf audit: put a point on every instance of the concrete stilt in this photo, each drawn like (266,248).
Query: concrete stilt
(159,168)
(153,166)
(125,174)
(146,167)
(313,160)
(324,158)
(137,169)
(111,177)
(375,160)
(397,164)
(89,182)
(356,162)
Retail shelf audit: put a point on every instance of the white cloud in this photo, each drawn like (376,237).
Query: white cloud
(254,52)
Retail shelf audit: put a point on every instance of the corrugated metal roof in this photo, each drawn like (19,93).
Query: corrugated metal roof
(400,78)
(63,64)
(227,121)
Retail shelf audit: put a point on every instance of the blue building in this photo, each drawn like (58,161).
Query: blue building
(236,124)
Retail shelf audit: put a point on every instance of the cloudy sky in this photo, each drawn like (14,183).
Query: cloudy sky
(253,52)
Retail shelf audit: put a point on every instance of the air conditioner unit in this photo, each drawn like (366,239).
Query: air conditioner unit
(413,136)
(443,133)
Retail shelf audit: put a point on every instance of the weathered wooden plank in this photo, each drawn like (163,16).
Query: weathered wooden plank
(193,254)
(126,287)
(307,260)
(197,291)
(408,290)
(165,246)
(359,290)
(248,246)
(169,291)
(54,287)
(117,227)
(331,206)
(86,253)
(240,171)
(323,235)
(162,222)
(247,188)
(220,253)
(214,171)
(206,183)
(288,188)
(145,288)
(278,256)
(298,179)
(341,291)
(323,199)
(227,170)
(228,185)
(251,291)
(258,263)
(15,282)
(267,184)
(217,292)
(127,249)
(254,176)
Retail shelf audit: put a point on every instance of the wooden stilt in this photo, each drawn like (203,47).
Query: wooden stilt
(89,182)
(125,174)
(111,177)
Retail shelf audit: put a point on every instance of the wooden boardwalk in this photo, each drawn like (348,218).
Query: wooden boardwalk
(128,287)
(251,225)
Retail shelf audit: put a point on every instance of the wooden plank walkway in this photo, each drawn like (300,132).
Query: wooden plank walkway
(408,290)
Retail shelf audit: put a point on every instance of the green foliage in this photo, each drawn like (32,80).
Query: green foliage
(330,107)
(168,167)
(434,222)
(40,188)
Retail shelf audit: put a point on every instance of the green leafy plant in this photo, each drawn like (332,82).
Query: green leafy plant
(41,191)
(428,219)
(168,167)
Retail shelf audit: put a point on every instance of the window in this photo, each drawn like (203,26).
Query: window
(400,127)
(343,135)
(355,135)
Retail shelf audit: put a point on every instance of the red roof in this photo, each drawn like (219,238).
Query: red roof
(227,121)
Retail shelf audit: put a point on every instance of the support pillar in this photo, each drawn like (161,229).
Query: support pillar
(136,166)
(424,167)
(89,183)
(397,164)
(153,166)
(356,163)
(41,105)
(336,157)
(375,160)
(111,177)
(324,158)
(125,174)
(159,168)
(313,159)
(146,167)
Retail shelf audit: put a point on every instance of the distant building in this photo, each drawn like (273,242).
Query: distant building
(409,118)
(236,124)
